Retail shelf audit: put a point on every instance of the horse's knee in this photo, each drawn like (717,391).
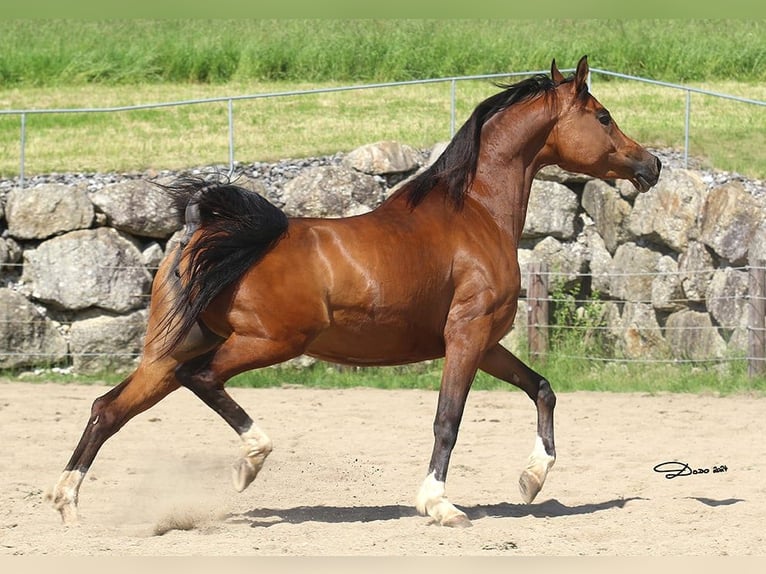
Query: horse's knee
(545,396)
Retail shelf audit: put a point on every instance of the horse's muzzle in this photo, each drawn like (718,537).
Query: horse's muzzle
(647,173)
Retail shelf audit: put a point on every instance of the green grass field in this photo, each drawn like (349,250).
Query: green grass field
(724,134)
(75,52)
(73,64)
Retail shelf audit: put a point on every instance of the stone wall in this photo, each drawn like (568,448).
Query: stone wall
(77,255)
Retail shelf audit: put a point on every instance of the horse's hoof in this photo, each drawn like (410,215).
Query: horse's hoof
(68,512)
(69,516)
(243,473)
(529,486)
(66,508)
(457,521)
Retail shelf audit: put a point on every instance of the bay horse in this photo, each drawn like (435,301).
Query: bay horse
(432,272)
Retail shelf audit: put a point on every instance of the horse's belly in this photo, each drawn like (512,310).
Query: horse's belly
(376,344)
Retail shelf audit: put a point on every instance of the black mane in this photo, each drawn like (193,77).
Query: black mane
(456,166)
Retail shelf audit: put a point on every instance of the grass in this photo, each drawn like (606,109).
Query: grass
(74,52)
(724,134)
(565,375)
(78,63)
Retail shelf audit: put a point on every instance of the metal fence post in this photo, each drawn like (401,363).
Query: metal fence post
(453,106)
(231,137)
(687,120)
(23,149)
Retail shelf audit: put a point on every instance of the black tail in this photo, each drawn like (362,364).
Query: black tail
(237,228)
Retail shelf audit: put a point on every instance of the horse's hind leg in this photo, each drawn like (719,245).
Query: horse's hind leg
(206,375)
(256,445)
(501,363)
(144,388)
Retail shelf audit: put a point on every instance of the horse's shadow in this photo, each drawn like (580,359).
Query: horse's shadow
(265,517)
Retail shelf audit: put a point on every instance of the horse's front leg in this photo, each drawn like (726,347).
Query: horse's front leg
(501,363)
(460,365)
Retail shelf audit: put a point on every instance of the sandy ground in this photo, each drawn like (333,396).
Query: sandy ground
(347,464)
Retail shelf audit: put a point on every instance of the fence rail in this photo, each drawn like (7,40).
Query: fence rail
(453,80)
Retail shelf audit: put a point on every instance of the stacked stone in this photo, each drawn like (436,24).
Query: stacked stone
(78,251)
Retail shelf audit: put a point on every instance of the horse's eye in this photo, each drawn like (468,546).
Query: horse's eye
(604,117)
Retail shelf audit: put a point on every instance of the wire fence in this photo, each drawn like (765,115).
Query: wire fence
(752,355)
(605,346)
(748,315)
(23,114)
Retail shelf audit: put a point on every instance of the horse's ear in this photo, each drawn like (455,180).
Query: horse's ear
(556,76)
(581,75)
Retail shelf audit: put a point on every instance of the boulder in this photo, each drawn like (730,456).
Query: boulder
(331,191)
(727,302)
(726,297)
(107,344)
(88,268)
(756,251)
(667,294)
(383,158)
(27,336)
(516,339)
(632,272)
(525,257)
(696,269)
(436,151)
(635,330)
(598,259)
(551,212)
(151,256)
(559,175)
(608,211)
(626,189)
(730,219)
(690,335)
(47,210)
(668,213)
(10,254)
(566,261)
(138,207)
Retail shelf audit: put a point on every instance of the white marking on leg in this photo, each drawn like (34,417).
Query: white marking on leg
(256,446)
(65,494)
(538,466)
(256,443)
(432,501)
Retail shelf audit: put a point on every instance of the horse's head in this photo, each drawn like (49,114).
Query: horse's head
(586,138)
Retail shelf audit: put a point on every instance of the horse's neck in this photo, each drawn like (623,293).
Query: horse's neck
(506,167)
